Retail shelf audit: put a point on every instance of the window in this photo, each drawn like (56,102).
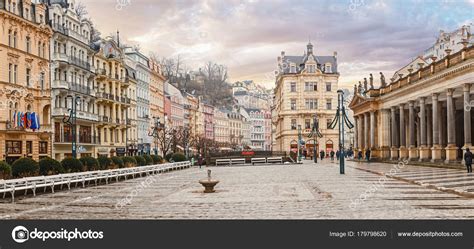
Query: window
(293,104)
(311,68)
(28,44)
(10,72)
(328,68)
(329,104)
(43,147)
(14,39)
(292,68)
(10,37)
(310,86)
(328,86)
(28,77)
(13,147)
(42,81)
(293,124)
(307,123)
(292,86)
(311,104)
(15,73)
(29,147)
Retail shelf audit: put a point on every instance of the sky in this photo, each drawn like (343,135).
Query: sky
(248,35)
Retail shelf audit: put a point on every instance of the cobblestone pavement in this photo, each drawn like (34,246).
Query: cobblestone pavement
(305,191)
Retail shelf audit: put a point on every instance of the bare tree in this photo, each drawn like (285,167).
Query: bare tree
(165,139)
(80,10)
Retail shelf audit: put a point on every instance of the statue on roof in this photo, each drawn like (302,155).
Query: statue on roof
(359,89)
(371,81)
(382,80)
(355,89)
(365,84)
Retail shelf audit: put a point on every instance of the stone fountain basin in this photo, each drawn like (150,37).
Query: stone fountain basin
(208,185)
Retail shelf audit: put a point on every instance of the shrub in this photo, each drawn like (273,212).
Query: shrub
(71,164)
(168,157)
(140,160)
(178,157)
(157,159)
(5,170)
(104,162)
(50,166)
(148,159)
(129,161)
(117,162)
(24,167)
(90,163)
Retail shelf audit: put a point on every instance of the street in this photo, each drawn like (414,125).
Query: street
(305,191)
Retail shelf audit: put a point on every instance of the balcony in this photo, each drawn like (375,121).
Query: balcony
(82,139)
(80,88)
(60,84)
(101,72)
(84,115)
(125,100)
(60,57)
(80,63)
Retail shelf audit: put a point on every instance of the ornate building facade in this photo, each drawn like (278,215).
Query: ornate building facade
(305,86)
(25,91)
(423,116)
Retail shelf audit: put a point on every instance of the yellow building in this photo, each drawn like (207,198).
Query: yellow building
(305,86)
(112,99)
(24,81)
(156,92)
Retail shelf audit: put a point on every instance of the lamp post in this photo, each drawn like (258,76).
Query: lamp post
(298,159)
(71,121)
(158,126)
(315,133)
(342,119)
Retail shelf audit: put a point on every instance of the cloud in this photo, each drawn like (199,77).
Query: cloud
(248,35)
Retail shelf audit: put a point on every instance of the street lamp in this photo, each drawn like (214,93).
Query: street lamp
(71,121)
(341,113)
(315,133)
(298,159)
(158,126)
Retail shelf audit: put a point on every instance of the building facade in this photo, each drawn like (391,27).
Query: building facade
(112,98)
(221,127)
(72,81)
(143,76)
(257,129)
(423,116)
(25,91)
(305,86)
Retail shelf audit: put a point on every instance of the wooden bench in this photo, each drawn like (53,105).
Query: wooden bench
(275,160)
(223,161)
(235,161)
(258,160)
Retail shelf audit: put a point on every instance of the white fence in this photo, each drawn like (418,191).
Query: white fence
(60,180)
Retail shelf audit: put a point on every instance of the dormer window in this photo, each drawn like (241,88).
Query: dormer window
(311,68)
(327,68)
(292,68)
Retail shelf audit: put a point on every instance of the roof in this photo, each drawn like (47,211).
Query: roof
(301,60)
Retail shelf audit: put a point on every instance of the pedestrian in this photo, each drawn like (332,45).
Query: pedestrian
(321,155)
(468,160)
(338,154)
(332,155)
(367,155)
(359,155)
(200,160)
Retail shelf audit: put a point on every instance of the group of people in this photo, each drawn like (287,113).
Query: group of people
(367,155)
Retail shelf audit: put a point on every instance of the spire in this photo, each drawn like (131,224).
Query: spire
(118,38)
(309,47)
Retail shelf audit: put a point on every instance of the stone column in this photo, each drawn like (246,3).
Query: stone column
(467,117)
(403,138)
(436,149)
(429,132)
(394,148)
(372,129)
(361,132)
(424,150)
(451,149)
(384,130)
(366,131)
(356,134)
(412,151)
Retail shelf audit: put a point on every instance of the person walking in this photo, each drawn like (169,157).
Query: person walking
(321,155)
(332,155)
(359,155)
(200,160)
(468,160)
(367,155)
(338,154)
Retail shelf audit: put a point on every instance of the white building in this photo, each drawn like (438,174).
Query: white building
(449,40)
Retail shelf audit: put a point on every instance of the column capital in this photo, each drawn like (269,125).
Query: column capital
(411,103)
(450,91)
(466,87)
(422,100)
(435,95)
(401,105)
(393,108)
